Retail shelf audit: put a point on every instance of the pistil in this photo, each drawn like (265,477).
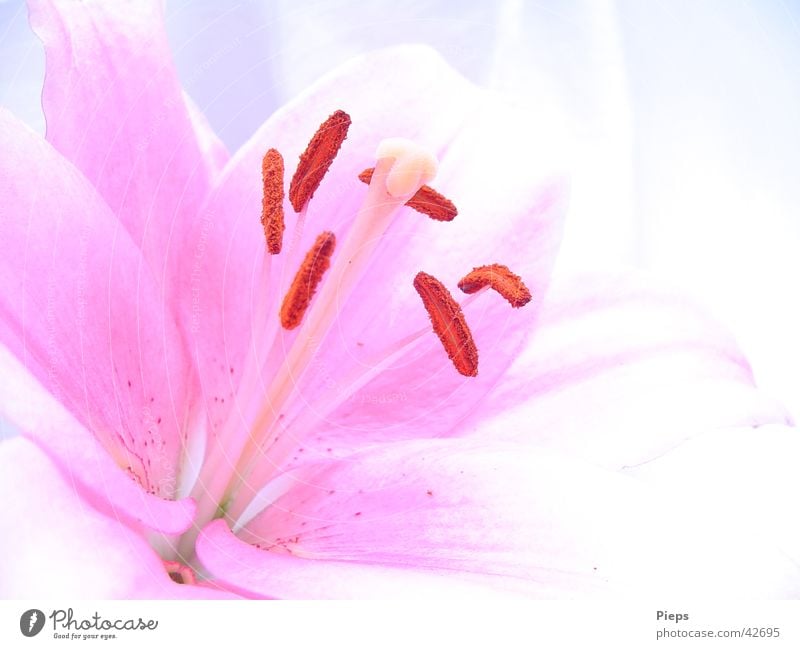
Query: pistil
(226,447)
(372,220)
(255,442)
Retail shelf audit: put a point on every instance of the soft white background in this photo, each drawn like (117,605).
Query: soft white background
(682,119)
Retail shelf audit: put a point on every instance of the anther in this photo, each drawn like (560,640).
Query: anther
(308,277)
(272,202)
(448,323)
(317,158)
(427,200)
(501,279)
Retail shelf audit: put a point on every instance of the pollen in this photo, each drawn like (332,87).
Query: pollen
(298,297)
(272,202)
(448,323)
(499,278)
(426,201)
(317,158)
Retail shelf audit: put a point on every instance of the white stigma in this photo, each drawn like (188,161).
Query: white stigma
(414,166)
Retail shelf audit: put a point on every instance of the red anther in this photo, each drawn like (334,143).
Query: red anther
(272,201)
(317,158)
(308,277)
(427,200)
(448,323)
(501,279)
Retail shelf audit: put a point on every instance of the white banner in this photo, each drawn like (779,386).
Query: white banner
(384,625)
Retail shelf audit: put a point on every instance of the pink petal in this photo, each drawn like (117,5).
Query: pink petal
(114,107)
(407,92)
(497,515)
(251,572)
(81,311)
(54,545)
(214,153)
(80,457)
(622,369)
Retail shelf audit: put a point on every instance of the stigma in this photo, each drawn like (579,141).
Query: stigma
(412,166)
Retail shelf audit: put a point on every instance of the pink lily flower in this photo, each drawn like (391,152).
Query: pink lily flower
(206,415)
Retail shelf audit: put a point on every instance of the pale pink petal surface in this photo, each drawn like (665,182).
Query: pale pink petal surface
(212,150)
(56,546)
(82,313)
(620,369)
(80,456)
(558,527)
(114,107)
(251,572)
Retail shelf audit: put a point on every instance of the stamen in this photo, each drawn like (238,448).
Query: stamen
(427,200)
(305,282)
(272,202)
(501,279)
(352,259)
(448,323)
(317,158)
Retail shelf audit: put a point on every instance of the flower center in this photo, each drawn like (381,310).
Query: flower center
(239,476)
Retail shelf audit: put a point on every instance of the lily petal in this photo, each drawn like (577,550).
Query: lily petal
(114,107)
(621,369)
(251,572)
(80,457)
(81,311)
(214,152)
(56,546)
(558,527)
